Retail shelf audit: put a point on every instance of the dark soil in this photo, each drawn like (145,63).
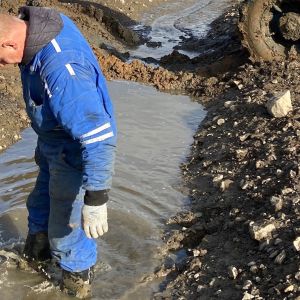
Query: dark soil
(243,166)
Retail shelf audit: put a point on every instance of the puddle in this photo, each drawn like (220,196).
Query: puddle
(173,21)
(155,131)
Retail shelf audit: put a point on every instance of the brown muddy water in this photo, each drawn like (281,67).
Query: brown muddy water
(155,131)
(174,21)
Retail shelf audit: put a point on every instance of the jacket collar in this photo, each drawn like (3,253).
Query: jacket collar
(44,25)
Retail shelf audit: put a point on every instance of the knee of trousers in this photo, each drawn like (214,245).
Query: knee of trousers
(64,240)
(74,251)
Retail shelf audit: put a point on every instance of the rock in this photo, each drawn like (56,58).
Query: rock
(247,285)
(261,231)
(241,153)
(220,122)
(286,191)
(196,264)
(246,184)
(247,296)
(280,105)
(227,104)
(233,272)
(259,164)
(277,202)
(296,244)
(254,269)
(200,288)
(264,245)
(289,289)
(217,179)
(274,253)
(280,257)
(244,137)
(153,44)
(224,185)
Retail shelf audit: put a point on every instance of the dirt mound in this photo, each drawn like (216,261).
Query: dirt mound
(243,177)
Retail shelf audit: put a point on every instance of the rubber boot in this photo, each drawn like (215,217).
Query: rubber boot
(78,284)
(36,253)
(37,247)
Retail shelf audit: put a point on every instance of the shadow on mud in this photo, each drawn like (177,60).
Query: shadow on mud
(219,51)
(115,22)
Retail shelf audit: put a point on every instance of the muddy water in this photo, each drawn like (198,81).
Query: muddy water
(172,22)
(155,130)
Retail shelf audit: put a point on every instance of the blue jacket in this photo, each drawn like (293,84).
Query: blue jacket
(67,101)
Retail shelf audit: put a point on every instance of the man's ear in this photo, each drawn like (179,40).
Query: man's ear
(9,44)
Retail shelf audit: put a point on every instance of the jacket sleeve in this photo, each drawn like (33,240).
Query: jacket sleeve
(81,108)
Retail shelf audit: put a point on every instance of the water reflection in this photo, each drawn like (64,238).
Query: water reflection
(155,130)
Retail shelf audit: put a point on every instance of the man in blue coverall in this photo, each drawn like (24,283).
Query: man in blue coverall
(71,112)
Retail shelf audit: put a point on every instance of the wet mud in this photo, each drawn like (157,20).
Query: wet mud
(240,238)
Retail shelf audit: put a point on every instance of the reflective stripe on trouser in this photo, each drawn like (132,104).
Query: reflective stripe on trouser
(55,205)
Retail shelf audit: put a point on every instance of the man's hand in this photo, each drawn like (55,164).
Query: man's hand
(94,220)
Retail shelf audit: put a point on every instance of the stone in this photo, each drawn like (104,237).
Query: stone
(227,104)
(241,153)
(277,241)
(217,179)
(280,257)
(233,272)
(286,191)
(296,243)
(261,231)
(289,289)
(264,245)
(280,105)
(276,202)
(244,137)
(254,269)
(220,122)
(274,253)
(224,185)
(247,285)
(247,296)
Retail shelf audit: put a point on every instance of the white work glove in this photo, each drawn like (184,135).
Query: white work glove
(94,220)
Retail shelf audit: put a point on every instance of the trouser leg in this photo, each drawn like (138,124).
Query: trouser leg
(69,244)
(37,246)
(38,202)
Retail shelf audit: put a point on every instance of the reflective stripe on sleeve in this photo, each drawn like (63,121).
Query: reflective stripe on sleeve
(70,69)
(95,131)
(56,46)
(99,138)
(48,90)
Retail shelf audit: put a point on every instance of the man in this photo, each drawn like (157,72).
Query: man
(70,110)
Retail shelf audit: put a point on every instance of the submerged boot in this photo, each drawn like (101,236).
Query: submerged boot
(77,284)
(37,249)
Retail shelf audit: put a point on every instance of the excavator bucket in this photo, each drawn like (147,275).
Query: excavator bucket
(271,29)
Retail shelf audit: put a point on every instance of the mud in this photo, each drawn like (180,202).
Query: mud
(243,166)
(240,159)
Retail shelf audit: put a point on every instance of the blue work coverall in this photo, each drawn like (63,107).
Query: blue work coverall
(68,104)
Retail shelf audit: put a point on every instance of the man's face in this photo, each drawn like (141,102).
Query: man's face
(9,53)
